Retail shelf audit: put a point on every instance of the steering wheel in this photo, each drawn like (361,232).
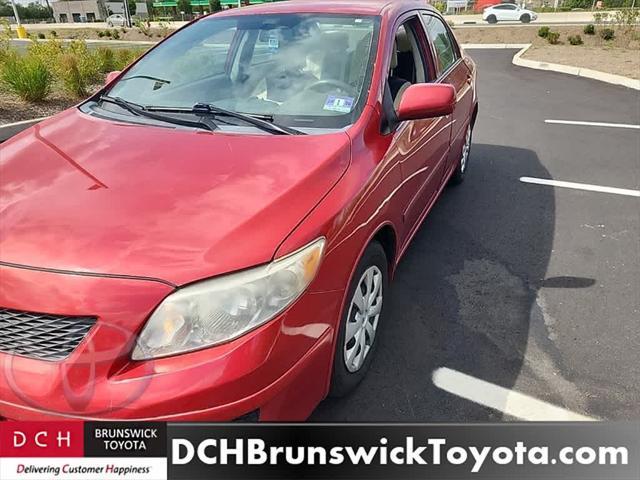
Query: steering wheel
(325,86)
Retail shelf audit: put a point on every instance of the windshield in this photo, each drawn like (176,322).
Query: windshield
(303,70)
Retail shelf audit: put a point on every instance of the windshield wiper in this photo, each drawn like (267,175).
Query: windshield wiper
(263,122)
(147,77)
(143,112)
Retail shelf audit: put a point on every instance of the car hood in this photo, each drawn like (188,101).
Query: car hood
(84,194)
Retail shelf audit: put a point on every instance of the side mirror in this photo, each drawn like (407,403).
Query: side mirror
(111,76)
(426,100)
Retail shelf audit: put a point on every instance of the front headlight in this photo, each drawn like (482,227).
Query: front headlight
(221,309)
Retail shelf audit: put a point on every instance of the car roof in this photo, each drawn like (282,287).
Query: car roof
(358,7)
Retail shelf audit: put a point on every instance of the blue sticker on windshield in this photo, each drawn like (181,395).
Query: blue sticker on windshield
(336,103)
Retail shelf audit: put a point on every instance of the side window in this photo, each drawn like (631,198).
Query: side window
(445,50)
(266,45)
(207,57)
(408,64)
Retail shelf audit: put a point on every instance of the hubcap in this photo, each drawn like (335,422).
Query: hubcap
(362,319)
(465,150)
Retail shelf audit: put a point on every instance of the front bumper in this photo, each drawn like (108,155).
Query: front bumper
(280,369)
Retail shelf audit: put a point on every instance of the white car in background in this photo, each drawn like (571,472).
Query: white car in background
(508,12)
(116,20)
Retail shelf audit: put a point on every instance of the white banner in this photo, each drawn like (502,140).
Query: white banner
(103,468)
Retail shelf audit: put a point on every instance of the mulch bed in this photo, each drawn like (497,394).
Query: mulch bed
(12,109)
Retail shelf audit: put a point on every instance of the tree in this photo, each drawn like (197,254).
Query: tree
(132,7)
(184,6)
(5,9)
(33,11)
(215,5)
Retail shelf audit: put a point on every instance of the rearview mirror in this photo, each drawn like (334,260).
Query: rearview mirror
(111,76)
(426,100)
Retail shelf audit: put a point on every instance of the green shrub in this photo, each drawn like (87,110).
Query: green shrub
(27,76)
(627,20)
(164,29)
(46,51)
(440,6)
(589,29)
(601,17)
(575,39)
(53,34)
(607,33)
(543,32)
(115,35)
(571,4)
(144,27)
(41,36)
(100,33)
(73,81)
(553,38)
(124,57)
(106,60)
(79,69)
(5,40)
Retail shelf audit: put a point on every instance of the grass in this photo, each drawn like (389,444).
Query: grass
(53,65)
(27,77)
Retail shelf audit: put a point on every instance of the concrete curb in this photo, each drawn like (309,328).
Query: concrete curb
(577,71)
(8,130)
(89,40)
(473,46)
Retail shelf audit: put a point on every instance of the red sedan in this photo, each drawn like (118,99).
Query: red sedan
(211,236)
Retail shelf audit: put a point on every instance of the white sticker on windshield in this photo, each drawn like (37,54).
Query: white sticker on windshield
(274,43)
(336,103)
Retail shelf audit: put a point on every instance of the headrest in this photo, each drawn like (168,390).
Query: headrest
(401,44)
(394,56)
(402,41)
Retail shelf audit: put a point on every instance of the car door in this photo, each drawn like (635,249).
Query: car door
(421,146)
(453,70)
(510,12)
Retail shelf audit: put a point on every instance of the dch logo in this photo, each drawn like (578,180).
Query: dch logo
(41,439)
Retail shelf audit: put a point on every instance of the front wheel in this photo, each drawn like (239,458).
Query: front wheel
(492,19)
(458,176)
(526,18)
(360,321)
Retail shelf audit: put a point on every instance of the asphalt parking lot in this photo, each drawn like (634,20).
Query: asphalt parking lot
(522,288)
(516,293)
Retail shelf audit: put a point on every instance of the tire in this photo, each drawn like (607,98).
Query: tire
(463,164)
(526,18)
(348,371)
(492,19)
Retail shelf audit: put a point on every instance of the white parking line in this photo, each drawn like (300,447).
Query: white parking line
(581,186)
(22,122)
(502,399)
(594,124)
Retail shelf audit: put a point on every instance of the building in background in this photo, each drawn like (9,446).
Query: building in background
(76,11)
(141,9)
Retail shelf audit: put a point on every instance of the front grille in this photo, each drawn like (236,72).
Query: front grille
(40,335)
